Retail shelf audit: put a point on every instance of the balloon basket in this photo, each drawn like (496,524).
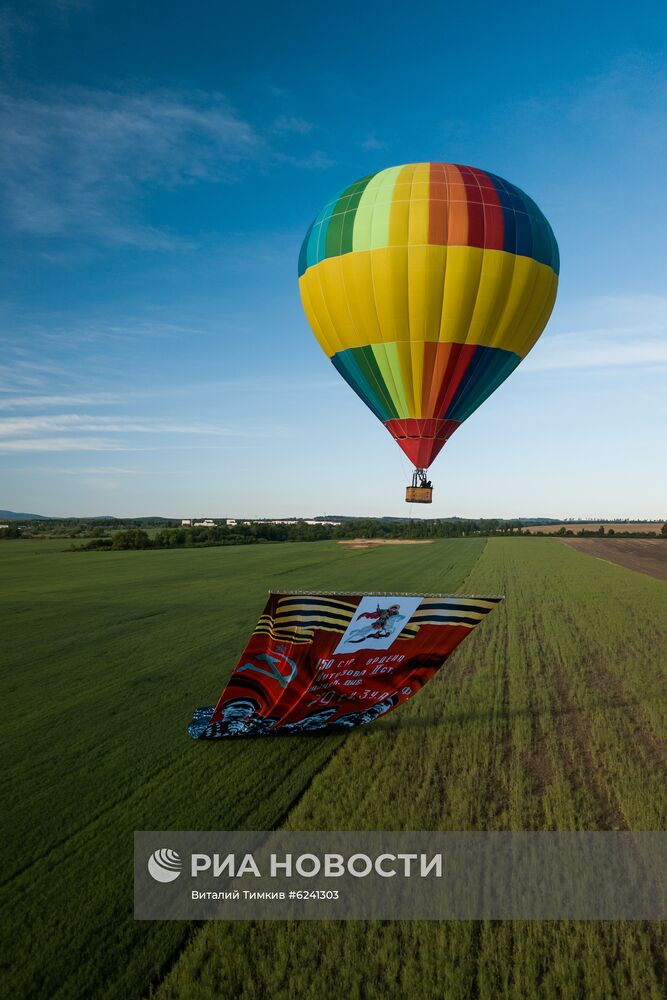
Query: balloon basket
(418,494)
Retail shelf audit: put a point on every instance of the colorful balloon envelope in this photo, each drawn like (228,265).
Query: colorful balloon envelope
(426,285)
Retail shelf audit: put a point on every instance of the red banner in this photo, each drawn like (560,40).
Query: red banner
(333,661)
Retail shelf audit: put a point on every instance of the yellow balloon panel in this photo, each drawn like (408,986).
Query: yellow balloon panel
(461,295)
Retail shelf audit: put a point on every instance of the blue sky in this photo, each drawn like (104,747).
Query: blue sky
(160,164)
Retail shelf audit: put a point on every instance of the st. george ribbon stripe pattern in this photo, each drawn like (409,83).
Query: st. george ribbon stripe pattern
(296,618)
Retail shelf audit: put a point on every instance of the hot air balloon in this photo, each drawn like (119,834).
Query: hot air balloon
(426,285)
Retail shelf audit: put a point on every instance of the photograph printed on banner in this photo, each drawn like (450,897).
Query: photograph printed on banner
(377,622)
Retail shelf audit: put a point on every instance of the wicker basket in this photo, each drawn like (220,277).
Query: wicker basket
(418,494)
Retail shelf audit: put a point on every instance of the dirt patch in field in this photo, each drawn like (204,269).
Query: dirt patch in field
(371,543)
(646,555)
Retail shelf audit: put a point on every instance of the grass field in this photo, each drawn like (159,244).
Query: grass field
(550,716)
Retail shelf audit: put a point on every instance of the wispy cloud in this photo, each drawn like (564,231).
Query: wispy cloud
(612,331)
(632,94)
(371,142)
(85,432)
(111,425)
(72,160)
(88,399)
(17,445)
(617,115)
(23,375)
(292,123)
(70,5)
(12,26)
(317,160)
(83,444)
(596,349)
(101,470)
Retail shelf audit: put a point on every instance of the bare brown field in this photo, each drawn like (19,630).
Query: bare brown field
(618,527)
(645,555)
(371,543)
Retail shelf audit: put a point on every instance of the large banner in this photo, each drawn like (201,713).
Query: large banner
(332,661)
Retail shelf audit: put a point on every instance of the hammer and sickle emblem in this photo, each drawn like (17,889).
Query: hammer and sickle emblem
(273,668)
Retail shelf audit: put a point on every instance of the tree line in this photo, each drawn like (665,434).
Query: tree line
(264,532)
(134,534)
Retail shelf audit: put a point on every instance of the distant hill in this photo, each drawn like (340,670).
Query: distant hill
(112,517)
(11,515)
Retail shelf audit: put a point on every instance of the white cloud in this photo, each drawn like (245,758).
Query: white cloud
(595,349)
(57,444)
(611,331)
(47,444)
(100,470)
(83,432)
(23,375)
(111,425)
(90,399)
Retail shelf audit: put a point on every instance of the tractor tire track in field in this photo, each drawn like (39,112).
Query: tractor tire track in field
(576,751)
(635,733)
(560,733)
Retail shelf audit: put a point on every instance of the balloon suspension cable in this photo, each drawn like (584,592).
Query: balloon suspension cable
(420,478)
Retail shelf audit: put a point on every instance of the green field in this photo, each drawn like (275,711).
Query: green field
(550,716)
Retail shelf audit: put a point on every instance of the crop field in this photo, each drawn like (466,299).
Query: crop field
(550,716)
